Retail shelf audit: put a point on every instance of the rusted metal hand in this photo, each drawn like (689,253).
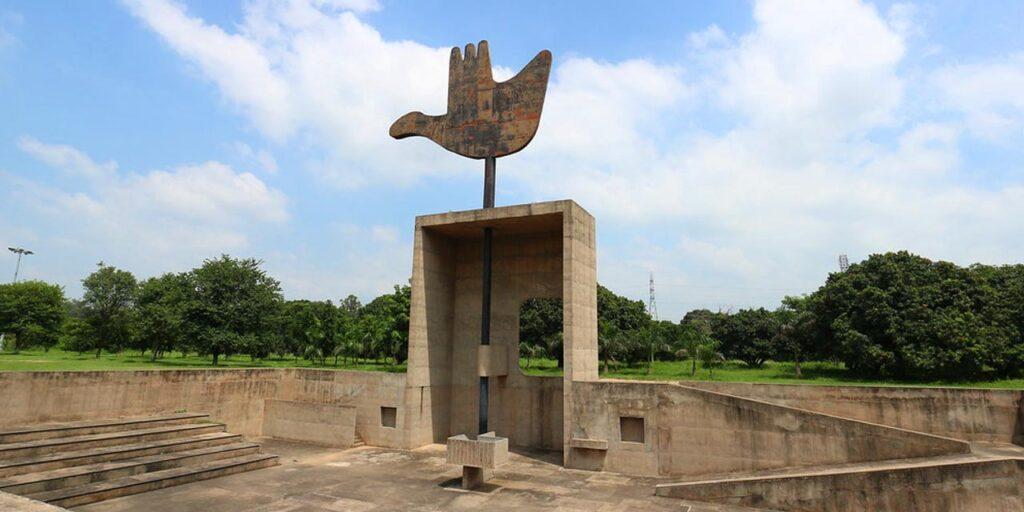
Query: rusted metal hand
(485,118)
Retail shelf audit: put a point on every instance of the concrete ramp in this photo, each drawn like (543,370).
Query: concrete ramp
(963,484)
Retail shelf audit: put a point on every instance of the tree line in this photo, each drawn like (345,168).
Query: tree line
(224,307)
(894,315)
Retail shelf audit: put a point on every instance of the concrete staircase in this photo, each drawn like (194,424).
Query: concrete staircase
(72,464)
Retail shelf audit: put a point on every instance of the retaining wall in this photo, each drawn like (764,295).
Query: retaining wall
(991,415)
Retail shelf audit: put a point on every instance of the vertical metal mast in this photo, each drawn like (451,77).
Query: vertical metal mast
(485,301)
(652,306)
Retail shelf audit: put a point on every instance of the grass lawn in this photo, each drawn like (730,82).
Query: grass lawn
(775,373)
(820,373)
(59,360)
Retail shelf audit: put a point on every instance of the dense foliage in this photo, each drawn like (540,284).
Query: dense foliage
(32,312)
(893,316)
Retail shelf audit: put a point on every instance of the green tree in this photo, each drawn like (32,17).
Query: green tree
(108,305)
(710,357)
(799,332)
(231,303)
(33,312)
(903,316)
(160,306)
(695,336)
(747,335)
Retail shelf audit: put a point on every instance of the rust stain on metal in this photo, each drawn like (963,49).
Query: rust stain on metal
(485,118)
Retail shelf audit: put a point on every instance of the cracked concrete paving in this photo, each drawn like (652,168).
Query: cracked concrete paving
(315,479)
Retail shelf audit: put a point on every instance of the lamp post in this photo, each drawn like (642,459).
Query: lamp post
(20,252)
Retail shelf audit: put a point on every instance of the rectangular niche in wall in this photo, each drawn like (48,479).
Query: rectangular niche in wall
(631,429)
(388,417)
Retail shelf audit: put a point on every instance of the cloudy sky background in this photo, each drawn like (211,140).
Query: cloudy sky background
(735,150)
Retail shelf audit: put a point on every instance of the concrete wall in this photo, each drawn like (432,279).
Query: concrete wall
(324,424)
(366,391)
(690,432)
(982,486)
(539,250)
(234,397)
(971,414)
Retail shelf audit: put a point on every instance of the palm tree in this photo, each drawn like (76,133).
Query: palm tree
(710,357)
(530,351)
(695,337)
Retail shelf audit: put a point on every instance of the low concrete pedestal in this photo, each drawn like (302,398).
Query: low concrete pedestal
(477,456)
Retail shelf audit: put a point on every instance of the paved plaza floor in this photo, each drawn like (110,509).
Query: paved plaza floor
(314,479)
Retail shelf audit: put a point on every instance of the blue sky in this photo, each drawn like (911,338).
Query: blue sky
(732,148)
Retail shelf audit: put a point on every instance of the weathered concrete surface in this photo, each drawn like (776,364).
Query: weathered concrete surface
(486,451)
(324,424)
(539,250)
(12,503)
(690,431)
(312,479)
(993,415)
(235,397)
(366,391)
(964,486)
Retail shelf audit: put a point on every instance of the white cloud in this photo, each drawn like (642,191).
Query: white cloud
(989,94)
(9,21)
(66,158)
(261,157)
(789,172)
(364,260)
(158,218)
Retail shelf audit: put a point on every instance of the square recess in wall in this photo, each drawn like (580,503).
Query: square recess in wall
(631,429)
(388,417)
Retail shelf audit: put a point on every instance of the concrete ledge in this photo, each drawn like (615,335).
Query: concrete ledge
(12,503)
(968,486)
(590,444)
(325,424)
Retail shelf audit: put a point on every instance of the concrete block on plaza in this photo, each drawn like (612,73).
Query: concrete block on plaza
(485,451)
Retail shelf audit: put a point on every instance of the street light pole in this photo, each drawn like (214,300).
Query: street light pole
(20,252)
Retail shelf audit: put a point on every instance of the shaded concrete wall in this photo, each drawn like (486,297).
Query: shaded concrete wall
(971,414)
(366,391)
(689,431)
(234,397)
(985,486)
(539,250)
(324,424)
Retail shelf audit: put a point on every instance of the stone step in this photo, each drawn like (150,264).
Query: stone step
(90,473)
(63,444)
(110,453)
(18,434)
(91,493)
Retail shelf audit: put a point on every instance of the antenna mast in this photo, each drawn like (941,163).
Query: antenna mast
(652,305)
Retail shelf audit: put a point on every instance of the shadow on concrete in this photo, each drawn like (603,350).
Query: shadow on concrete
(546,456)
(455,484)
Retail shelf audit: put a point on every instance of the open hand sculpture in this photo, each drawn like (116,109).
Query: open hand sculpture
(485,118)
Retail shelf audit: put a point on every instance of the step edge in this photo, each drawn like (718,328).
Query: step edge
(129,482)
(51,427)
(58,441)
(125,463)
(101,450)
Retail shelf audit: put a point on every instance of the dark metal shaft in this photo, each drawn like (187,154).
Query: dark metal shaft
(489,164)
(485,301)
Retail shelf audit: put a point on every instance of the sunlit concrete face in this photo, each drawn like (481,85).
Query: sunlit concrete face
(540,250)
